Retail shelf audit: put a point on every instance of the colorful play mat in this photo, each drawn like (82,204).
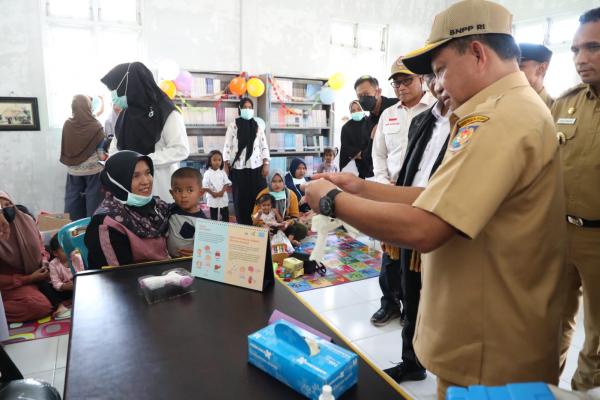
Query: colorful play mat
(346,259)
(42,328)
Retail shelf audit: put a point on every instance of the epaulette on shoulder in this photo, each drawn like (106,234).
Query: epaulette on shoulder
(572,90)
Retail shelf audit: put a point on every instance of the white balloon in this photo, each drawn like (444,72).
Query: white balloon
(168,70)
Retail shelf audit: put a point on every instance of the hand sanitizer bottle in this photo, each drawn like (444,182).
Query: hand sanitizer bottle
(326,393)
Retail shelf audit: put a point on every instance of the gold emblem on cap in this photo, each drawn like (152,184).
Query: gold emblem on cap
(561,138)
(571,110)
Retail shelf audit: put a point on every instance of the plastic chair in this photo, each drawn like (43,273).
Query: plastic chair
(71,237)
(13,386)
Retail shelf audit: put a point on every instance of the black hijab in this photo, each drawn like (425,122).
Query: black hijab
(246,133)
(140,125)
(149,221)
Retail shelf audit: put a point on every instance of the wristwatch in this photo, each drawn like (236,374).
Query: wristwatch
(327,204)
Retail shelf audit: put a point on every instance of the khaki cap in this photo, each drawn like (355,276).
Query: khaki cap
(464,18)
(398,67)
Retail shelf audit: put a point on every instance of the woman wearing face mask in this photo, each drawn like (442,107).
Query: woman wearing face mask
(355,142)
(148,122)
(81,150)
(246,158)
(286,202)
(130,225)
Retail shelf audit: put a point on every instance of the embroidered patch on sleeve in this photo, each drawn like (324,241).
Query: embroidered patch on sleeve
(472,120)
(462,137)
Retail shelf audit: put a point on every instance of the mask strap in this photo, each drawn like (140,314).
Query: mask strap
(125,78)
(117,184)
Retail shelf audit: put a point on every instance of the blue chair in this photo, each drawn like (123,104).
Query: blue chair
(71,237)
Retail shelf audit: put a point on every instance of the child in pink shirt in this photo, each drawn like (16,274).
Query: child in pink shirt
(61,276)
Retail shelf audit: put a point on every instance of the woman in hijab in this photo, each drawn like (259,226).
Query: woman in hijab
(81,151)
(296,177)
(148,122)
(356,142)
(246,158)
(21,266)
(286,202)
(130,225)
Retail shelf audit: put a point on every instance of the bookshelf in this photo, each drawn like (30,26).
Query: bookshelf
(297,125)
(207,114)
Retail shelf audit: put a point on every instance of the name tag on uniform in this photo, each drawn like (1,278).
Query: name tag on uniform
(566,121)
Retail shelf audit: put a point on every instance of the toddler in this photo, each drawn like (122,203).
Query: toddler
(215,183)
(187,191)
(328,166)
(61,276)
(267,215)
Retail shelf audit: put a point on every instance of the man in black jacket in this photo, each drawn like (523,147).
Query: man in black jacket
(428,138)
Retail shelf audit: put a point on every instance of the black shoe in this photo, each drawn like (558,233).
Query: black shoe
(382,317)
(406,372)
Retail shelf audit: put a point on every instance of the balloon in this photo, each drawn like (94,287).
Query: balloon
(96,104)
(183,82)
(259,120)
(256,87)
(336,81)
(169,88)
(327,95)
(168,70)
(238,86)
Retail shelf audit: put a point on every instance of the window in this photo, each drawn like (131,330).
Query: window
(562,31)
(82,41)
(361,36)
(531,33)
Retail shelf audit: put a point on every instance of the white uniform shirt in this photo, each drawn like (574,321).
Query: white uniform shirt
(260,150)
(391,138)
(215,180)
(440,133)
(172,148)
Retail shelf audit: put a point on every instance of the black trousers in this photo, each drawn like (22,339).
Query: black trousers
(246,183)
(390,282)
(214,214)
(411,289)
(54,295)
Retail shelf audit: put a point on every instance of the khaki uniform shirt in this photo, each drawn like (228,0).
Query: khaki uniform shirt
(490,303)
(577,117)
(546,97)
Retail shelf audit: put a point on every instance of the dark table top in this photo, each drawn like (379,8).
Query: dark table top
(192,346)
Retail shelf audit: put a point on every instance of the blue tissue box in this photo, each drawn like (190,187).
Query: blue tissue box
(302,360)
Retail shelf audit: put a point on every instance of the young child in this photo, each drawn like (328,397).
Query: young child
(267,215)
(61,276)
(295,177)
(328,166)
(186,189)
(215,183)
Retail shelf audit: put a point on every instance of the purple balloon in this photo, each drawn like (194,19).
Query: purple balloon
(183,82)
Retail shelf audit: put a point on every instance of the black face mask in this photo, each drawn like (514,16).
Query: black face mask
(367,102)
(9,214)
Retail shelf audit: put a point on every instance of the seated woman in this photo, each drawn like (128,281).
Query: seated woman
(130,225)
(296,177)
(286,203)
(21,266)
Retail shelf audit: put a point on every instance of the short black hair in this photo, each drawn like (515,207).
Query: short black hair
(330,150)
(54,244)
(265,197)
(210,156)
(504,45)
(592,15)
(367,78)
(245,100)
(186,172)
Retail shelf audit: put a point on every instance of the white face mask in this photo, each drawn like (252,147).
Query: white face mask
(134,200)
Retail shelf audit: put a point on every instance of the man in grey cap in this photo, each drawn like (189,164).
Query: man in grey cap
(534,62)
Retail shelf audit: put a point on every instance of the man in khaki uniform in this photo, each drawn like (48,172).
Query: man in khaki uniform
(491,220)
(577,117)
(534,62)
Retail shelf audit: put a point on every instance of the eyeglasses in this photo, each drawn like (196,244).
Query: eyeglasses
(406,82)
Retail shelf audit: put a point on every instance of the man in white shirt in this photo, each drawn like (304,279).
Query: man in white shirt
(389,148)
(391,138)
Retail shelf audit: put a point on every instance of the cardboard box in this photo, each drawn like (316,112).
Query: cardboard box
(302,360)
(293,267)
(50,224)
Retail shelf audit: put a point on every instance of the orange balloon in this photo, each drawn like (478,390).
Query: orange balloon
(238,86)
(169,88)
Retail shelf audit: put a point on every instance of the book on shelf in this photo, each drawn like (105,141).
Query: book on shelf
(203,87)
(288,141)
(221,116)
(193,141)
(210,143)
(304,118)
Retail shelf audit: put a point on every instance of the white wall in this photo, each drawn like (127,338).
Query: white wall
(282,37)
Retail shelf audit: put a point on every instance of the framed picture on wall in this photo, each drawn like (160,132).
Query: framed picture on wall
(19,114)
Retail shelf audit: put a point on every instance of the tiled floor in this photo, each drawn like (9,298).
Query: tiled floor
(347,307)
